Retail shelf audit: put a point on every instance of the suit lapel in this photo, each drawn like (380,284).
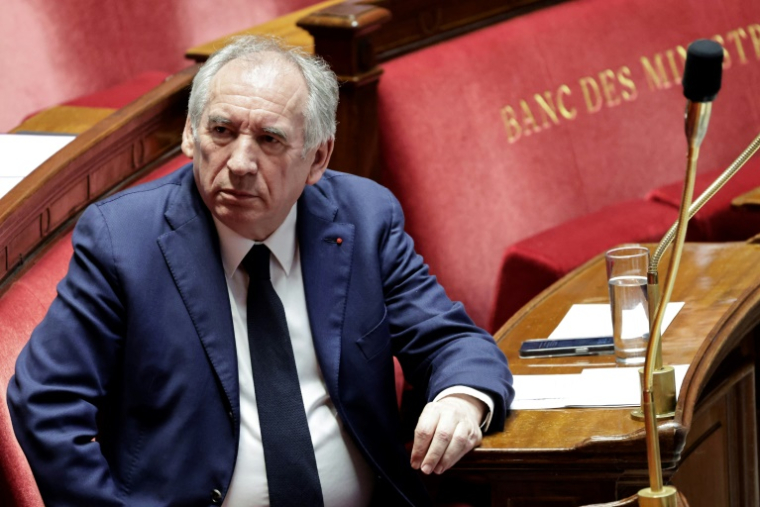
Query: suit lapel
(326,266)
(191,251)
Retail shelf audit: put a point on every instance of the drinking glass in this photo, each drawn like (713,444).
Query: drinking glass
(627,281)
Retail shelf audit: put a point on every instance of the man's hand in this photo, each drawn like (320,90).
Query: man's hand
(447,430)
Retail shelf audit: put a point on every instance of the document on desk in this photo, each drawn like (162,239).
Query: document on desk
(593,387)
(591,320)
(20,154)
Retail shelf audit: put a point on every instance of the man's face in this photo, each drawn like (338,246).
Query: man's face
(247,152)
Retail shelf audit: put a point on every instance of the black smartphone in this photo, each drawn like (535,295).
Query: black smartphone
(544,347)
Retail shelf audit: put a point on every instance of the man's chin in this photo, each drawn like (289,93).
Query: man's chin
(244,222)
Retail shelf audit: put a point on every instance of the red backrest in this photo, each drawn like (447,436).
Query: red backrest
(54,51)
(494,136)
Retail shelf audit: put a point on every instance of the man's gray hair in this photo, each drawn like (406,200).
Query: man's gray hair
(321,105)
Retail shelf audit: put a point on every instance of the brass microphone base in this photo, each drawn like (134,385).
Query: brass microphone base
(638,415)
(666,497)
(664,384)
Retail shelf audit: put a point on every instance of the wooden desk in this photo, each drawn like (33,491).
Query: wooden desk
(578,456)
(751,198)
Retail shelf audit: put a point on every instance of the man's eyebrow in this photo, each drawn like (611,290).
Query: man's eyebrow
(214,119)
(276,132)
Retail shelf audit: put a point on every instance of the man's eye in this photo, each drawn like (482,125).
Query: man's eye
(220,130)
(270,139)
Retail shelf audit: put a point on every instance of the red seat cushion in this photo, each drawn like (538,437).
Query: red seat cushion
(718,220)
(531,265)
(477,162)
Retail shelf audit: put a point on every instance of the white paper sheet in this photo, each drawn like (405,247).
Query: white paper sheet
(20,154)
(592,320)
(541,391)
(593,387)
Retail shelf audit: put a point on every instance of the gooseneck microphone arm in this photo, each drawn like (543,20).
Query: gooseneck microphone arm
(709,192)
(701,81)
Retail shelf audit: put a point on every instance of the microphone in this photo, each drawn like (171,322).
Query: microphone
(701,83)
(702,75)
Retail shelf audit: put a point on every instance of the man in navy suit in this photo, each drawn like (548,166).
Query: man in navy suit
(136,389)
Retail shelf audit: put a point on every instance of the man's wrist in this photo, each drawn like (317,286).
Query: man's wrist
(477,395)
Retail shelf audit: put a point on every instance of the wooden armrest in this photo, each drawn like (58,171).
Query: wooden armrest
(118,149)
(283,27)
(64,120)
(751,198)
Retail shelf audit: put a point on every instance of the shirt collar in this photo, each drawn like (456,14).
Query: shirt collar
(282,244)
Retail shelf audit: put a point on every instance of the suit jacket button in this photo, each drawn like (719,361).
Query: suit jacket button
(216,497)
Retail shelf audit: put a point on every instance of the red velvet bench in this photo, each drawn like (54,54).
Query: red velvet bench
(526,147)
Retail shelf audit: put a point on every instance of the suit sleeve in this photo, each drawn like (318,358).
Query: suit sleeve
(436,342)
(64,372)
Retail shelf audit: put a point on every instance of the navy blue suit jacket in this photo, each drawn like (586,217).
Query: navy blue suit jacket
(127,392)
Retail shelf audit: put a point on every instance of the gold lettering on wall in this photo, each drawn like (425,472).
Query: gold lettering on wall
(568,114)
(607,79)
(671,54)
(593,105)
(528,121)
(629,92)
(657,78)
(754,34)
(514,130)
(737,36)
(548,110)
(726,55)
(610,88)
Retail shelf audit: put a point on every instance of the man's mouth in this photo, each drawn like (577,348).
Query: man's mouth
(238,194)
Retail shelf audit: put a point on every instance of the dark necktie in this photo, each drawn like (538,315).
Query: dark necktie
(288,451)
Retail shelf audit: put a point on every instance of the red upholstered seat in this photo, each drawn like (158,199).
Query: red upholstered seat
(718,220)
(495,136)
(531,265)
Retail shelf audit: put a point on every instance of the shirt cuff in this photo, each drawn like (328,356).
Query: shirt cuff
(475,394)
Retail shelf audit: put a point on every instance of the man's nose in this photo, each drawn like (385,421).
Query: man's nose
(244,156)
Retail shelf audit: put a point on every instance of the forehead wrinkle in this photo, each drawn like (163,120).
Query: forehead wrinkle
(270,121)
(259,88)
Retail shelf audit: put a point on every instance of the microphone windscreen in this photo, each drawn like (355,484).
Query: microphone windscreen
(704,64)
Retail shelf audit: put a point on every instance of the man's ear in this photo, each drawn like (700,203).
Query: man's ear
(188,140)
(320,161)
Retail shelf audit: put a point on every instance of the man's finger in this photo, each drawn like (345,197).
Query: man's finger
(465,438)
(444,432)
(423,434)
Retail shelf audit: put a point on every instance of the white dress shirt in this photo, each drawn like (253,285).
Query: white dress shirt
(345,476)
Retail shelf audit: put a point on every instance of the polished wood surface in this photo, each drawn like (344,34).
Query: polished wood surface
(751,198)
(586,455)
(64,120)
(284,27)
(110,154)
(633,501)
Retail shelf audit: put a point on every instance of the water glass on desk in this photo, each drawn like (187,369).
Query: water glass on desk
(627,281)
